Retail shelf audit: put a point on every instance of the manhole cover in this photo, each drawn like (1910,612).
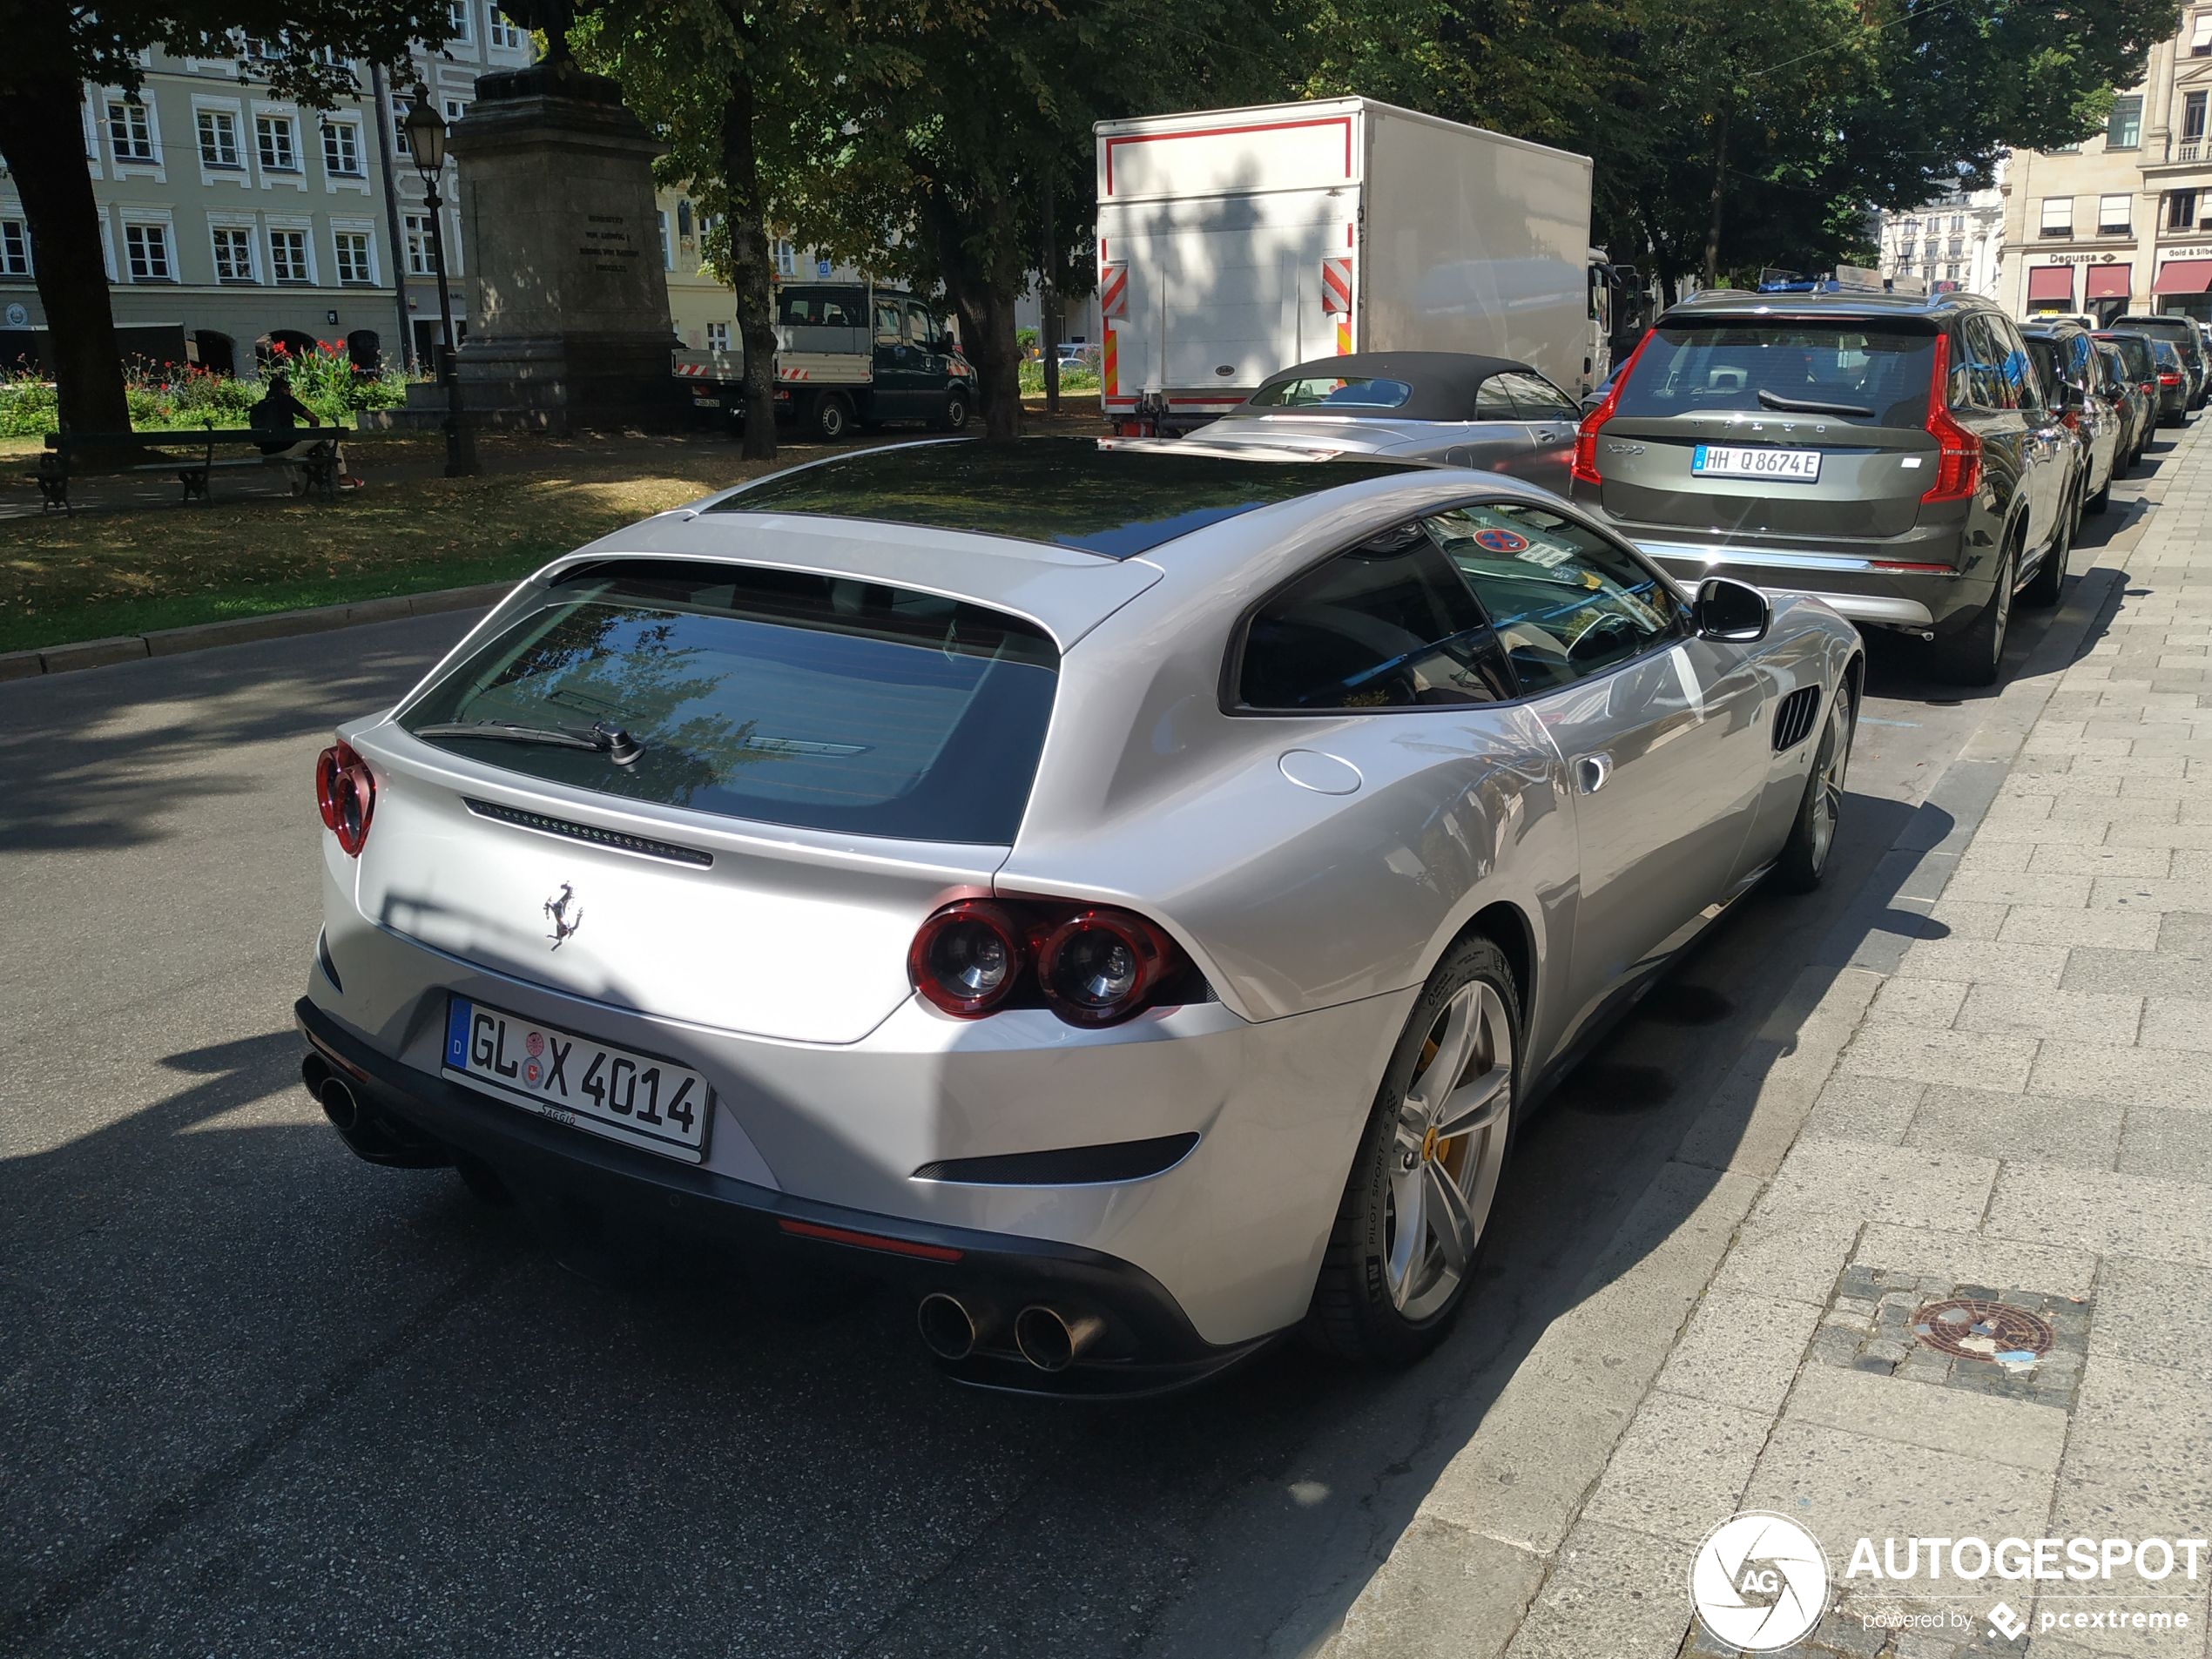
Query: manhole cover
(1977,1329)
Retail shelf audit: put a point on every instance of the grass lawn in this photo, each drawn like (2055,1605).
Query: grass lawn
(132,568)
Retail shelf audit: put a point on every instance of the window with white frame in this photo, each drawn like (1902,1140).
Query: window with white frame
(2058,217)
(400,107)
(130,130)
(503,33)
(277,139)
(341,149)
(356,263)
(455,108)
(288,256)
(786,257)
(2201,35)
(417,226)
(667,248)
(2115,215)
(15,248)
(233,253)
(218,140)
(718,336)
(146,249)
(457,15)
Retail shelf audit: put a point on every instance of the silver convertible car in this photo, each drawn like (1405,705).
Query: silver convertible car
(1128,893)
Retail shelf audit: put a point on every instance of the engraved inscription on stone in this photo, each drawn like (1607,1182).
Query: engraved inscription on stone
(606,245)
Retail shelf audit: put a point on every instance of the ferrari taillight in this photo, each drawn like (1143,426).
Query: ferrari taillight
(346,794)
(1092,965)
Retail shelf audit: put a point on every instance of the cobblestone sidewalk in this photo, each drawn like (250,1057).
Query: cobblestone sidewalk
(1974,1298)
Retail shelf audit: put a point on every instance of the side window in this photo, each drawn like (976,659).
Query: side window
(1567,602)
(1539,400)
(1387,625)
(886,322)
(1493,400)
(1985,364)
(922,328)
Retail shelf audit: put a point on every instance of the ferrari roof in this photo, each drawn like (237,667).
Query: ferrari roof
(1113,497)
(1443,383)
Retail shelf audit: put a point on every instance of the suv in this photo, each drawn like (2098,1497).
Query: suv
(1892,454)
(2073,384)
(2181,333)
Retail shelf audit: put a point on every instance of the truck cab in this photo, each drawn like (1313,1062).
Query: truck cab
(848,354)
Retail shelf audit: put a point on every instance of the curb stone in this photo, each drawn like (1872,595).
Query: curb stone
(276,625)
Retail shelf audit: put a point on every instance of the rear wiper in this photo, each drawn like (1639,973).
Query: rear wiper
(1808,405)
(610,741)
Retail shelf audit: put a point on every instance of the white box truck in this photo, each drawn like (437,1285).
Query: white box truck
(1233,243)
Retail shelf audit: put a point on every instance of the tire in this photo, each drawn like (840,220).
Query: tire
(833,417)
(955,419)
(1382,1298)
(1974,654)
(1812,835)
(2102,499)
(2042,589)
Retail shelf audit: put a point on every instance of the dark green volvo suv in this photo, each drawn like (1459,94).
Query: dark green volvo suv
(1897,456)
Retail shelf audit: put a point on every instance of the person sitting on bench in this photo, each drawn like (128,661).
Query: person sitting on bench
(278,411)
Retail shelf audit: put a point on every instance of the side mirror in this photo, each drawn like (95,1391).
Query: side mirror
(1733,611)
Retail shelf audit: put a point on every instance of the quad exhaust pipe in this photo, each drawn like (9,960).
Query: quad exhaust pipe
(1047,1338)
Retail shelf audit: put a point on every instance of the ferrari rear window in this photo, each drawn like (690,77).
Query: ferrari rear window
(1331,393)
(771,696)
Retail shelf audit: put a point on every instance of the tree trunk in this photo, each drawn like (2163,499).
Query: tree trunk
(38,127)
(751,267)
(1720,183)
(1047,303)
(984,302)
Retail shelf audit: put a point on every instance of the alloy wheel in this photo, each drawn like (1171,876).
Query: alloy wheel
(1449,1148)
(1828,787)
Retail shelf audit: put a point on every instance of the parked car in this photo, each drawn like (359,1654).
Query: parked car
(2071,378)
(1451,407)
(2182,336)
(2132,399)
(1891,453)
(2172,382)
(2139,366)
(1131,892)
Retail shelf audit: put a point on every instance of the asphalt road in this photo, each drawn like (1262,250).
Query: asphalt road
(257,1396)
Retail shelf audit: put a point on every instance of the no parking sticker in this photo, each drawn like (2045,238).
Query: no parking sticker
(1501,541)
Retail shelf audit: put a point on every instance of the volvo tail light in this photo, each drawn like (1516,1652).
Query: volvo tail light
(346,793)
(1957,451)
(1092,965)
(2169,377)
(1585,469)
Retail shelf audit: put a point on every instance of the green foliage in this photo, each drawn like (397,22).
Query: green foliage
(168,397)
(1074,377)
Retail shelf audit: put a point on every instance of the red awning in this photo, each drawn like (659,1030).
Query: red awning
(2050,282)
(2110,281)
(2183,276)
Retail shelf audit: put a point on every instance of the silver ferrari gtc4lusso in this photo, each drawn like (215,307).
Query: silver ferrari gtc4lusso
(1129,893)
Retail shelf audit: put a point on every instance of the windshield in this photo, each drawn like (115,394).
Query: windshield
(1855,372)
(1329,392)
(773,695)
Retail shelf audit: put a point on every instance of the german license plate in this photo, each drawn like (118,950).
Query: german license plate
(1734,461)
(579,1081)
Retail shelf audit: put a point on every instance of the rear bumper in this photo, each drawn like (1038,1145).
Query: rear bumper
(1857,587)
(590,1187)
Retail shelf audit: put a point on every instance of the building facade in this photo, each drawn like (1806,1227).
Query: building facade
(2123,221)
(233,220)
(1954,243)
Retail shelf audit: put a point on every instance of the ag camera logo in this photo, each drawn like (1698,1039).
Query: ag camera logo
(1759,1581)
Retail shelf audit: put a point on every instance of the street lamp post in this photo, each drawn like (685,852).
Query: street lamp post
(425,142)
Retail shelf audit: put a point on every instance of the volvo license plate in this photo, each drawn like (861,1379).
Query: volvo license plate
(1735,460)
(578,1080)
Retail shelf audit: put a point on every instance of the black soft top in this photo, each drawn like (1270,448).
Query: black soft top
(1443,383)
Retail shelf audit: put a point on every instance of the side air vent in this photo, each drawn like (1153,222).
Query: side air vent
(1066,1166)
(591,832)
(1793,721)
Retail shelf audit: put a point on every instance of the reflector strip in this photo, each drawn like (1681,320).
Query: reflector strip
(871,1241)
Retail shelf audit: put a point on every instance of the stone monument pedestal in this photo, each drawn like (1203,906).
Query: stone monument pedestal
(571,326)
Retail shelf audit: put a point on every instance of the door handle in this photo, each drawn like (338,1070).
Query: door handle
(1591,772)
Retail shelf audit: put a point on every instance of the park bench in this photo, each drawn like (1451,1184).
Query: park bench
(191,457)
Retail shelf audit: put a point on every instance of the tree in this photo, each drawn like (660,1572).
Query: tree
(725,84)
(55,46)
(928,157)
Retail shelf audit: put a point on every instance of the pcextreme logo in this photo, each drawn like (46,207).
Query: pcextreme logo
(1759,1581)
